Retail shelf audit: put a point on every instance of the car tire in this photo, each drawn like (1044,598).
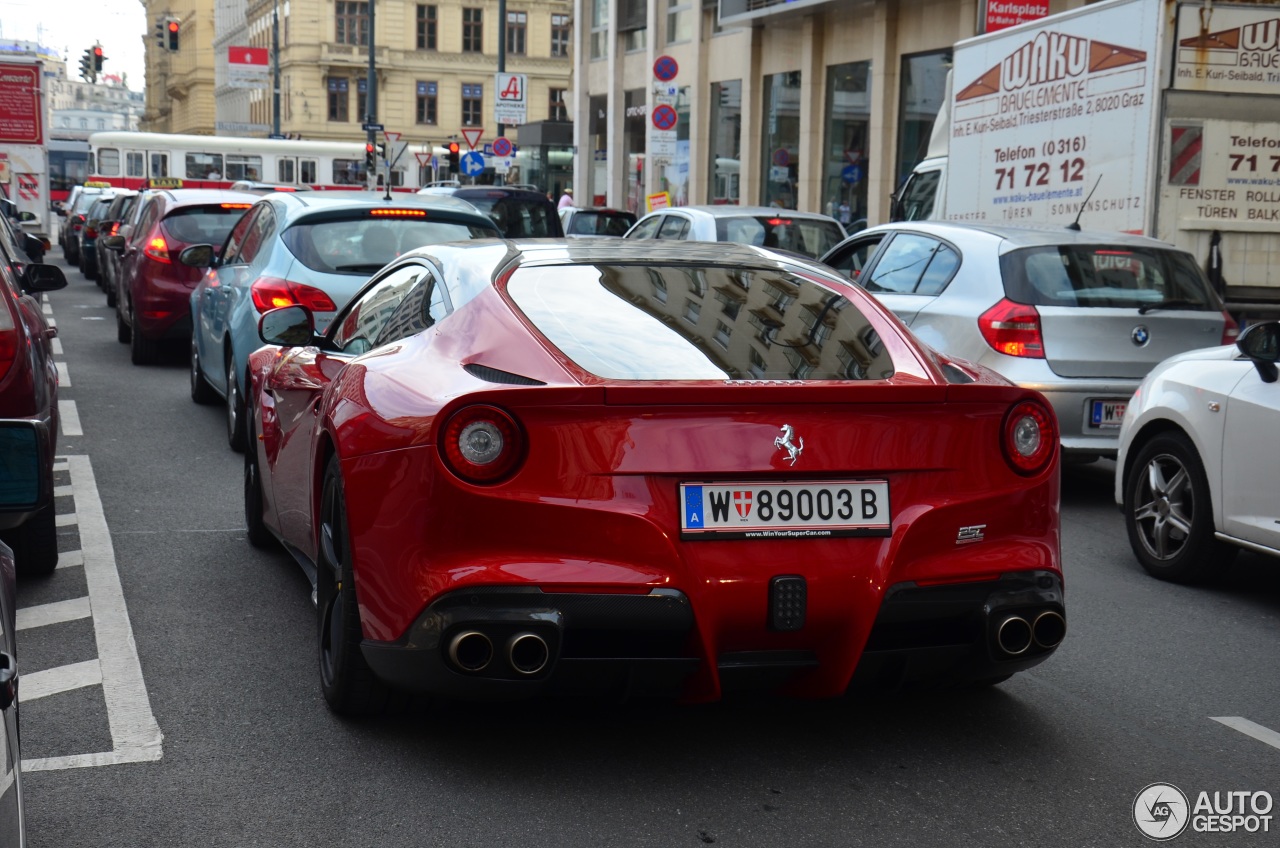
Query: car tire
(235,408)
(1168,513)
(201,392)
(123,331)
(259,535)
(350,687)
(35,544)
(142,351)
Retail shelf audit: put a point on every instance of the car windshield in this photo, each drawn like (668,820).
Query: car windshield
(600,223)
(84,201)
(699,322)
(98,209)
(362,245)
(518,218)
(208,224)
(811,236)
(1101,275)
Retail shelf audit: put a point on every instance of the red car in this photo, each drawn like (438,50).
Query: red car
(154,289)
(516,469)
(29,407)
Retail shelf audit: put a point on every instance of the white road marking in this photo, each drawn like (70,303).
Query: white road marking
(70,418)
(65,520)
(54,613)
(59,491)
(70,559)
(47,308)
(1248,728)
(64,376)
(44,298)
(51,322)
(57,346)
(64,678)
(135,735)
(60,464)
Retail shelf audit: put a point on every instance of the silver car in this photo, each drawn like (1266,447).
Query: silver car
(806,233)
(1079,316)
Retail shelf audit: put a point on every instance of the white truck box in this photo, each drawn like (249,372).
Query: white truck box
(24,158)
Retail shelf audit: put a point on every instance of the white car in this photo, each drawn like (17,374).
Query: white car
(1198,475)
(806,233)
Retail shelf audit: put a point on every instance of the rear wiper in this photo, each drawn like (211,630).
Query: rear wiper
(1167,304)
(367,267)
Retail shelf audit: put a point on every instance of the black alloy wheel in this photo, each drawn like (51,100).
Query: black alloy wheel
(235,407)
(201,392)
(349,685)
(1168,513)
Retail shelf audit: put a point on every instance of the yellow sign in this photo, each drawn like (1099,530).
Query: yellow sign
(164,182)
(97,184)
(661,200)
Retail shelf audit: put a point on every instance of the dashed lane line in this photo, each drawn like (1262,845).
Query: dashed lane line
(64,376)
(54,613)
(67,519)
(135,735)
(1249,728)
(70,418)
(56,343)
(47,308)
(70,559)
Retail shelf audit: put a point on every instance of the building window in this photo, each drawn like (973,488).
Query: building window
(426,102)
(426,27)
(599,29)
(559,35)
(559,111)
(338,99)
(848,118)
(352,20)
(362,99)
(922,87)
(102,125)
(516,23)
(722,334)
(692,311)
(472,30)
(780,164)
(679,21)
(472,105)
(726,141)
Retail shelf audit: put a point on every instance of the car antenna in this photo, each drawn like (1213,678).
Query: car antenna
(1074,226)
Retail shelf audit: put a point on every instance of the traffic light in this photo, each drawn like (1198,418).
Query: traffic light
(98,58)
(369,162)
(453,156)
(173,27)
(162,33)
(382,152)
(87,72)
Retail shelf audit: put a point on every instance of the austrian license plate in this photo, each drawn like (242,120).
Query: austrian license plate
(784,510)
(1107,414)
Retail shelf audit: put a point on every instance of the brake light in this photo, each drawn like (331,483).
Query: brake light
(482,444)
(235,205)
(397,213)
(8,338)
(115,228)
(158,250)
(774,222)
(272,293)
(1029,437)
(90,232)
(1230,329)
(1013,329)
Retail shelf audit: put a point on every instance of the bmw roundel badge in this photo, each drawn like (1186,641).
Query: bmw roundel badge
(1140,335)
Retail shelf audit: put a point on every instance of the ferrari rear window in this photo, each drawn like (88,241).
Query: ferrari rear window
(699,322)
(1106,275)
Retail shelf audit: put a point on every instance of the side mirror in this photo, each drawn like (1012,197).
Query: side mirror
(199,256)
(42,278)
(1261,343)
(115,243)
(34,247)
(288,326)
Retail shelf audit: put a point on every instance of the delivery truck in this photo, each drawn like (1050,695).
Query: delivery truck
(1154,117)
(24,156)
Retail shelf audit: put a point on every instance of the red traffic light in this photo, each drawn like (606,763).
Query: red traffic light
(454,147)
(368,148)
(173,26)
(97,51)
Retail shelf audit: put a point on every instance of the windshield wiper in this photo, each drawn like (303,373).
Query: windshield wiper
(1167,304)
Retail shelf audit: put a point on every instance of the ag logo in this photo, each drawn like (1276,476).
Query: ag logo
(1161,811)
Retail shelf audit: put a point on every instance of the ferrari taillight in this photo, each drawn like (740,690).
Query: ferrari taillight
(1029,437)
(481,444)
(158,249)
(8,338)
(273,293)
(1013,329)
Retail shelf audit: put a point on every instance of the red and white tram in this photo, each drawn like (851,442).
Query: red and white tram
(131,159)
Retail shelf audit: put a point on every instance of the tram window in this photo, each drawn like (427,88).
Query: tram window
(159,165)
(92,168)
(397,176)
(348,172)
(243,167)
(202,166)
(134,164)
(307,171)
(109,162)
(284,170)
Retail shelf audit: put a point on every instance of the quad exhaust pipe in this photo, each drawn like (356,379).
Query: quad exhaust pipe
(526,653)
(1014,635)
(1048,629)
(471,650)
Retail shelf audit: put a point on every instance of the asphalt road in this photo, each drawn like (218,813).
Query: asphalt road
(225,671)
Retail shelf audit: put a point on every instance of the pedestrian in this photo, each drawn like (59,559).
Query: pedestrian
(566,199)
(846,214)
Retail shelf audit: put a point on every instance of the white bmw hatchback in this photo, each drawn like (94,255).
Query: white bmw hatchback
(1198,473)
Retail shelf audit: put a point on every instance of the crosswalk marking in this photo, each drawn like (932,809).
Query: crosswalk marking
(64,678)
(65,520)
(70,559)
(54,613)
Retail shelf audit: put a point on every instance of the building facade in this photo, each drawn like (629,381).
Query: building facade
(802,104)
(180,83)
(76,108)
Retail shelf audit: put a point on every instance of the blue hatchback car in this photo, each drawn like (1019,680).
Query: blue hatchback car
(316,249)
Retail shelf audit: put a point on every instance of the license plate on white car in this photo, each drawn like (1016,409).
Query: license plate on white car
(787,510)
(1107,414)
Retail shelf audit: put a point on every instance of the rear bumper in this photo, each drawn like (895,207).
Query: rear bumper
(625,645)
